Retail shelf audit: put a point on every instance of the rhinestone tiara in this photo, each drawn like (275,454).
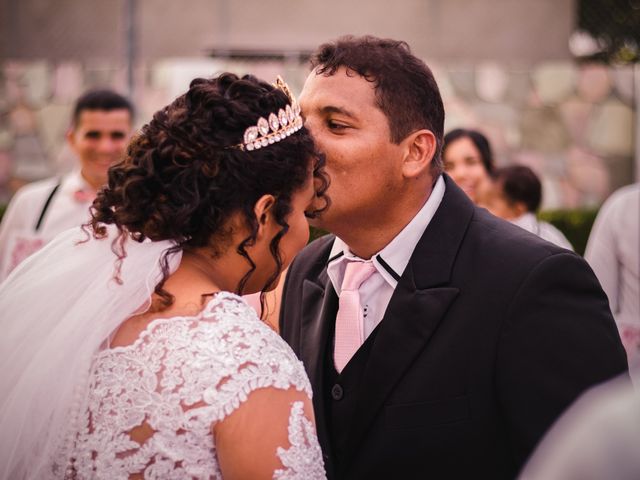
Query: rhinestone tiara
(277,126)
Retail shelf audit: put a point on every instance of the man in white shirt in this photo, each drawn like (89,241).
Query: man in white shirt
(613,251)
(99,133)
(440,341)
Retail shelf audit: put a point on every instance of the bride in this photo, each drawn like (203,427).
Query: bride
(126,351)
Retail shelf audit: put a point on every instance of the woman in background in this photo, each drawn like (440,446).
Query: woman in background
(468,161)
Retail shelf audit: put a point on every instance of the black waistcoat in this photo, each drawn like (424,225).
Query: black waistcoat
(341,395)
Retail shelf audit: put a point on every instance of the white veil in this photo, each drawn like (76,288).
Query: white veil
(57,309)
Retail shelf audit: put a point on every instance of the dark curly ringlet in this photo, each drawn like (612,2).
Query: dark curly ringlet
(182,178)
(406,90)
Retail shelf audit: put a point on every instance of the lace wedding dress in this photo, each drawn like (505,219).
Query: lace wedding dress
(180,378)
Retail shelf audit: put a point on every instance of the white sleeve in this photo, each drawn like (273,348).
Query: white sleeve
(15,219)
(601,252)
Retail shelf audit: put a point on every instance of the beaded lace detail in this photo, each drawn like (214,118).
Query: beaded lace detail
(180,377)
(302,460)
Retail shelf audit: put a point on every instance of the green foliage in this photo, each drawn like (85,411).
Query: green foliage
(316,233)
(2,210)
(575,224)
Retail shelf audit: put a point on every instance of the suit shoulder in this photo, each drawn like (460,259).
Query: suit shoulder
(497,238)
(505,237)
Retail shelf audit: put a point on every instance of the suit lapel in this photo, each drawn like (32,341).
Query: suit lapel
(321,304)
(403,335)
(419,303)
(319,307)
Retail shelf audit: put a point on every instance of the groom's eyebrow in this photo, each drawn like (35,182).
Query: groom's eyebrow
(340,110)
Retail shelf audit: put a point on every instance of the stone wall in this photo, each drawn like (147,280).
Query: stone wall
(573,124)
(502,30)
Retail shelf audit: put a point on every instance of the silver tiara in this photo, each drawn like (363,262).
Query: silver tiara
(277,126)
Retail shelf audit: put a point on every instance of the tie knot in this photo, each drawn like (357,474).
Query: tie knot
(355,274)
(84,195)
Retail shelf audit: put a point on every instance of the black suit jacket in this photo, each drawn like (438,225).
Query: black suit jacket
(490,334)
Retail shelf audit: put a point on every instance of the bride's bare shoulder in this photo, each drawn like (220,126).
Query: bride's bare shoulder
(185,304)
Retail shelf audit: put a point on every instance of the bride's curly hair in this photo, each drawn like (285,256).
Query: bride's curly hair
(183,178)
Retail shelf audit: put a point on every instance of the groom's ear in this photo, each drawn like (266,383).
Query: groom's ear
(420,149)
(263,210)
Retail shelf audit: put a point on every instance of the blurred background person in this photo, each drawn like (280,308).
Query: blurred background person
(515,195)
(597,438)
(99,132)
(468,160)
(613,251)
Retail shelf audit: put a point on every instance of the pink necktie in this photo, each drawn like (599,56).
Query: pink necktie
(349,321)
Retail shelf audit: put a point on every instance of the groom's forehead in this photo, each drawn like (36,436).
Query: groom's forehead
(340,90)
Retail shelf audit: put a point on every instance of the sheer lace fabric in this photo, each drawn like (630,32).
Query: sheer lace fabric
(301,460)
(173,384)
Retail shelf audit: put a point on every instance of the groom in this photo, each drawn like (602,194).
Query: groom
(441,342)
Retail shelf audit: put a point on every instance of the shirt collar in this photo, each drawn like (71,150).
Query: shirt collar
(392,260)
(74,181)
(527,221)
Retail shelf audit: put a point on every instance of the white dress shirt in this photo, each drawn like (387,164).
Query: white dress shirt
(18,235)
(544,230)
(390,262)
(613,251)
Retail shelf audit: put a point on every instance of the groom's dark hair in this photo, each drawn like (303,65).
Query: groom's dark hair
(406,90)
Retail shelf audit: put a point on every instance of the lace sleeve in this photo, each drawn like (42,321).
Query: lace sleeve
(244,354)
(303,459)
(267,430)
(271,435)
